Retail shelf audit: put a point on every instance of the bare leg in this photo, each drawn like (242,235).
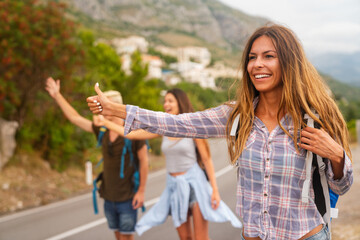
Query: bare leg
(126,236)
(117,235)
(184,230)
(201,226)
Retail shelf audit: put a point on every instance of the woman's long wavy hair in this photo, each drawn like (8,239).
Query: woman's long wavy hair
(303,89)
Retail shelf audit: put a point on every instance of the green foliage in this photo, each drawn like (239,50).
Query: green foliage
(36,40)
(351,125)
(155,145)
(228,85)
(203,98)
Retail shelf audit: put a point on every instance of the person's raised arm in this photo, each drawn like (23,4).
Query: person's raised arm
(138,134)
(53,88)
(204,124)
(138,199)
(204,152)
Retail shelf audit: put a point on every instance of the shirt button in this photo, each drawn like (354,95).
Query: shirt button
(268,159)
(265,212)
(266,176)
(265,195)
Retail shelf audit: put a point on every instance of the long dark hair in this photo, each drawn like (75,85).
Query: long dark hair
(182,99)
(185,106)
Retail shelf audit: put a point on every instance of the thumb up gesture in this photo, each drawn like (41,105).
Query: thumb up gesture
(100,104)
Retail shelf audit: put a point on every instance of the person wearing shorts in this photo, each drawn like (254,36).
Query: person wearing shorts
(121,199)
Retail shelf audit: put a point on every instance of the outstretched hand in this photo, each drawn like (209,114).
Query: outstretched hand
(53,87)
(99,104)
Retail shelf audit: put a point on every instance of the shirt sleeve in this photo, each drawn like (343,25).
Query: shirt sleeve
(341,186)
(205,124)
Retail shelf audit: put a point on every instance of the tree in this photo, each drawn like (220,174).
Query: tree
(137,89)
(36,40)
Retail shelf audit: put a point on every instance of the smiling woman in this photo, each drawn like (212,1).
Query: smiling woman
(264,66)
(268,137)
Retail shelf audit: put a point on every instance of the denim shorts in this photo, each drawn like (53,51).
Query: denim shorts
(121,216)
(192,197)
(323,234)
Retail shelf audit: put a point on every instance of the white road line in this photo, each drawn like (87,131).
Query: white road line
(78,229)
(63,202)
(223,171)
(46,207)
(103,220)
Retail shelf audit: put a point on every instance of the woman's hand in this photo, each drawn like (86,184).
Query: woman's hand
(99,120)
(215,199)
(99,104)
(52,87)
(321,143)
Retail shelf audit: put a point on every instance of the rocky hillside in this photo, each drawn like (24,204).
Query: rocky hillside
(207,21)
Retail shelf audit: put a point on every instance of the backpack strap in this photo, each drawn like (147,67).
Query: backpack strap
(325,198)
(235,126)
(99,177)
(234,133)
(308,163)
(102,131)
(126,149)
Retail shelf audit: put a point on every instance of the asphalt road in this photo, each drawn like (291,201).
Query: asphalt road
(74,218)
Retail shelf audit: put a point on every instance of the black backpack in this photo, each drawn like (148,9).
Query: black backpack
(325,198)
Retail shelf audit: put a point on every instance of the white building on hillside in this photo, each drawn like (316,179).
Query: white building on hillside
(220,70)
(154,66)
(195,73)
(198,54)
(130,45)
(173,52)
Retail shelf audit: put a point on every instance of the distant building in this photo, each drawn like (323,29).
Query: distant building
(170,77)
(173,52)
(187,54)
(130,45)
(126,63)
(195,73)
(200,55)
(154,66)
(220,70)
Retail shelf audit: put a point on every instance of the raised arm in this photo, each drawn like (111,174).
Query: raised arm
(204,152)
(70,113)
(205,124)
(139,134)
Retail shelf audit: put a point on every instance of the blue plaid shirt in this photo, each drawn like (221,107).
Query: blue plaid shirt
(270,176)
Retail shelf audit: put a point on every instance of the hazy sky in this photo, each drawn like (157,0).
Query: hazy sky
(321,25)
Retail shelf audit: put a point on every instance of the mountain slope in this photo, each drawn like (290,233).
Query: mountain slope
(175,23)
(206,23)
(342,66)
